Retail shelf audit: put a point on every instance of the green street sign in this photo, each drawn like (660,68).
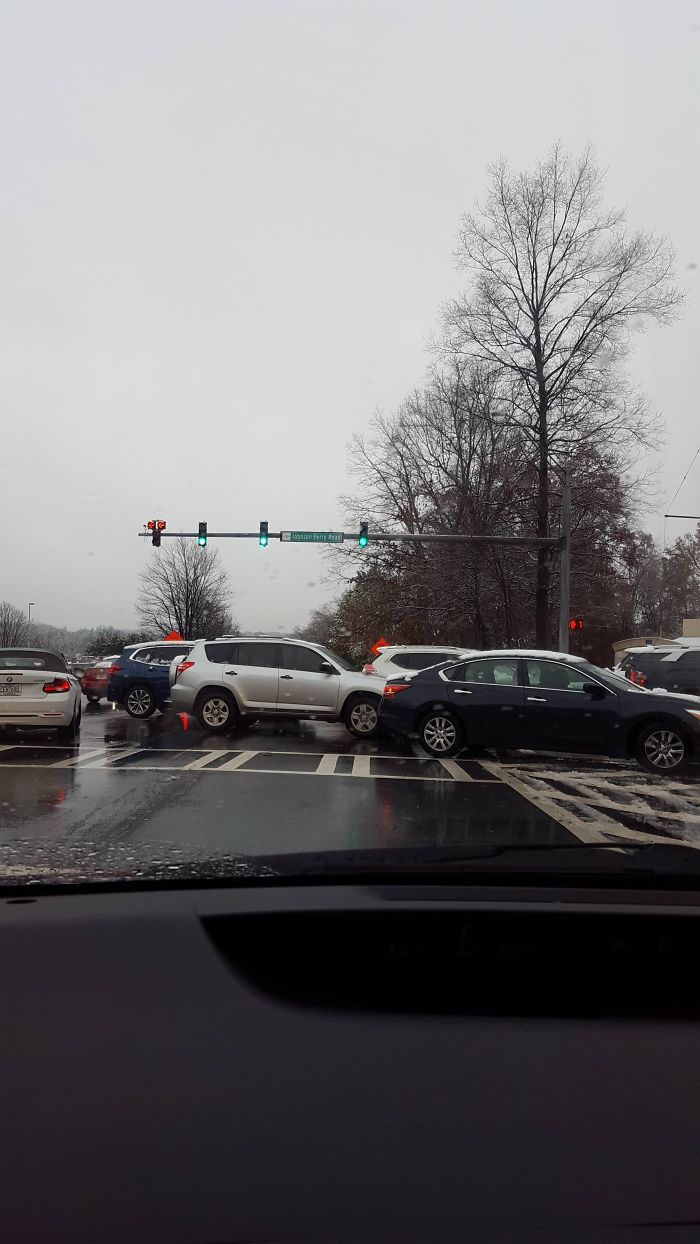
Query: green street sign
(312,537)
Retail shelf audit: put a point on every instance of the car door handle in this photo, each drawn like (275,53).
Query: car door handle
(285,676)
(458,692)
(231,673)
(537,699)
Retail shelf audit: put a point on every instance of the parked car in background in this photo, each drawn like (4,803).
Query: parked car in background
(96,678)
(223,680)
(672,669)
(542,701)
(37,689)
(396,658)
(138,679)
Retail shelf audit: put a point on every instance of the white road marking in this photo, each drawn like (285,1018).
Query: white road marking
(202,761)
(360,766)
(454,770)
(326,765)
(72,761)
(595,800)
(106,762)
(580,829)
(236,762)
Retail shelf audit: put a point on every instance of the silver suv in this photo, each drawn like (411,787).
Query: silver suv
(223,680)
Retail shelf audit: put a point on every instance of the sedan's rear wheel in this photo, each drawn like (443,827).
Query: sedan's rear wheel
(217,711)
(440,733)
(140,701)
(662,749)
(361,716)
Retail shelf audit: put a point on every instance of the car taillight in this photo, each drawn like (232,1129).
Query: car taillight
(638,677)
(368,669)
(58,684)
(393,688)
(113,669)
(180,669)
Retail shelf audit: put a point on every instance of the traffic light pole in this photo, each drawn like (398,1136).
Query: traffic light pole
(563,543)
(565,559)
(387,537)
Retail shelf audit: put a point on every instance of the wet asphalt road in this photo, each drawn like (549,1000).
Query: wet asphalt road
(132,794)
(155,790)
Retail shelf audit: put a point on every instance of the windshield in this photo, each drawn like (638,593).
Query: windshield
(388,315)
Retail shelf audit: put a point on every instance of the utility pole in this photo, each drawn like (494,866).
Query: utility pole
(565,562)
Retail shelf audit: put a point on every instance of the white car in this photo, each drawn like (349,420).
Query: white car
(38,689)
(396,659)
(223,680)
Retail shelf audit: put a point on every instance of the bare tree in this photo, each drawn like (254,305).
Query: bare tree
(557,284)
(13,626)
(185,588)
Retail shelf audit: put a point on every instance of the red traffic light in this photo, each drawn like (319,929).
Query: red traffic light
(160,524)
(575,624)
(151,524)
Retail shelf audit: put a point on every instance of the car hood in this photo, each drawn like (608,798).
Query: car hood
(678,697)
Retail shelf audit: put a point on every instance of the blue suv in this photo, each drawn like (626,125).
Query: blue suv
(139,679)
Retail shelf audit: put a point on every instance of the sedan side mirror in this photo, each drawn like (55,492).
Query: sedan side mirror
(326,668)
(594,690)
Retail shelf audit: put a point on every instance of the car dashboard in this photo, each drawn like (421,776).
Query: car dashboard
(291,1062)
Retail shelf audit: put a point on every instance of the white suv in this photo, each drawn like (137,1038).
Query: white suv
(396,659)
(223,680)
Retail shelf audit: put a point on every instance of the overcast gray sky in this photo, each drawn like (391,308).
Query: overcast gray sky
(226,232)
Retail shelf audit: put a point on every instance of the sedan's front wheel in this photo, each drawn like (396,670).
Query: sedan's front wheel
(440,733)
(662,749)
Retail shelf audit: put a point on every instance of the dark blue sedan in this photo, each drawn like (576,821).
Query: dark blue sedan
(543,701)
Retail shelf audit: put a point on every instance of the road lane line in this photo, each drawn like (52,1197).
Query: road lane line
(580,830)
(361,766)
(236,763)
(454,770)
(202,761)
(326,765)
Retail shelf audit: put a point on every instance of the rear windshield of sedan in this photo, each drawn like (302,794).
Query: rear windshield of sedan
(31,660)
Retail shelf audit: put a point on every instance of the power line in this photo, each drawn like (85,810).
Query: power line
(697,451)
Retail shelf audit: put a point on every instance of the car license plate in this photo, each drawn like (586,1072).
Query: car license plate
(13,688)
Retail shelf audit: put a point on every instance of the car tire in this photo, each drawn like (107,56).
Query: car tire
(662,748)
(92,698)
(217,711)
(440,733)
(68,733)
(361,715)
(139,701)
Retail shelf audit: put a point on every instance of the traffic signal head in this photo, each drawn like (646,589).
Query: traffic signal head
(575,624)
(363,538)
(156,525)
(263,538)
(202,537)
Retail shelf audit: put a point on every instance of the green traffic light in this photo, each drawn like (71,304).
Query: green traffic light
(263,536)
(363,538)
(202,537)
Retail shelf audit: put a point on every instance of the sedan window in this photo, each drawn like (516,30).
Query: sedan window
(555,676)
(496,671)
